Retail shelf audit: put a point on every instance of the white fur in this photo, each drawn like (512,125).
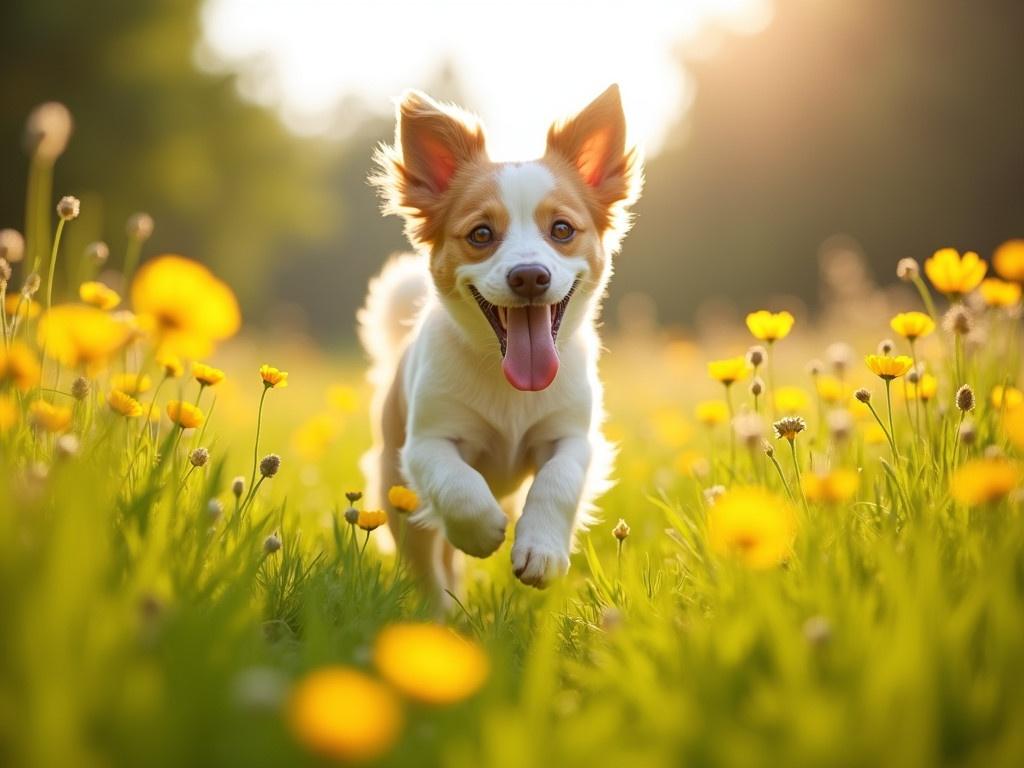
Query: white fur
(471,440)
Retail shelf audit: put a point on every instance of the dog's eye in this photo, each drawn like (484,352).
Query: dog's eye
(562,231)
(481,236)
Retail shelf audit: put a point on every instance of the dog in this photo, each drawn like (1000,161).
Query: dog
(483,343)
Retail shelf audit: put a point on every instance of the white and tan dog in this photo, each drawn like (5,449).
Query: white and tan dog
(484,344)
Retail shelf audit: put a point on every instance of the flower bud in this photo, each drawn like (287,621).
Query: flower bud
(863,395)
(621,530)
(958,320)
(47,130)
(271,544)
(80,388)
(965,398)
(886,346)
(238,486)
(351,515)
(968,432)
(353,496)
(756,355)
(270,464)
(814,367)
(97,253)
(757,386)
(214,509)
(32,283)
(69,207)
(199,457)
(139,226)
(907,270)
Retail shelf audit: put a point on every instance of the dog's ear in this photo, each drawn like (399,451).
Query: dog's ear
(432,142)
(594,143)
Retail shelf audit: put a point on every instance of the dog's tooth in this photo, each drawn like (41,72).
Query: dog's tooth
(503,317)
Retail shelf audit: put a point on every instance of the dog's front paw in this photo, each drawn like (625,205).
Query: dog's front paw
(477,528)
(538,557)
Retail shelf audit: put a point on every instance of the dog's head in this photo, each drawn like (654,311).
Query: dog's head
(518,251)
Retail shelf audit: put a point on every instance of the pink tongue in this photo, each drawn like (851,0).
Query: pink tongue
(531,361)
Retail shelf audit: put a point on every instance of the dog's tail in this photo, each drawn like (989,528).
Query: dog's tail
(393,302)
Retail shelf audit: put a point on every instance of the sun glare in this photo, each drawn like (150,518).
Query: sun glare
(520,64)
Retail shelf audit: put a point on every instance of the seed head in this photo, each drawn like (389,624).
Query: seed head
(272,543)
(749,428)
(840,355)
(351,515)
(817,630)
(994,452)
(47,130)
(965,398)
(353,496)
(712,493)
(12,245)
(886,346)
(863,395)
(968,432)
(31,286)
(199,457)
(958,320)
(814,367)
(238,486)
(840,424)
(621,530)
(270,464)
(139,226)
(768,448)
(80,388)
(214,509)
(907,270)
(756,355)
(68,446)
(914,375)
(789,427)
(97,253)
(757,386)
(69,207)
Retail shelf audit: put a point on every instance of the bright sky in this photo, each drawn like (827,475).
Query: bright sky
(522,64)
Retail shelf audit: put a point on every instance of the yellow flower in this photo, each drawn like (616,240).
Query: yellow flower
(184,305)
(402,498)
(954,275)
(925,389)
(752,525)
(830,488)
(874,434)
(912,325)
(49,417)
(124,404)
(999,293)
(889,368)
(19,365)
(711,412)
(1006,397)
(1013,426)
(430,663)
(371,519)
(79,335)
(207,375)
(98,295)
(729,370)
(1009,260)
(171,364)
(981,481)
(272,377)
(131,383)
(830,389)
(791,400)
(24,307)
(769,326)
(185,415)
(342,714)
(8,413)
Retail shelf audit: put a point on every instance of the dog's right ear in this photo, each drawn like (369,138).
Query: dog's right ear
(432,142)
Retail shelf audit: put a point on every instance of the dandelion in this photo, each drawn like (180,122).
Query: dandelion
(769,326)
(403,499)
(958,320)
(48,417)
(342,714)
(832,487)
(124,404)
(1009,260)
(984,481)
(81,336)
(371,519)
(999,293)
(131,383)
(728,371)
(273,378)
(752,525)
(98,295)
(272,544)
(185,415)
(67,446)
(184,306)
(791,400)
(955,275)
(888,368)
(749,428)
(711,413)
(912,325)
(19,366)
(430,663)
(207,375)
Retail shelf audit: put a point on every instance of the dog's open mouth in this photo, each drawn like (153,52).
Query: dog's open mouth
(527,336)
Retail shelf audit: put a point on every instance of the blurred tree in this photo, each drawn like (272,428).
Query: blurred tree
(899,123)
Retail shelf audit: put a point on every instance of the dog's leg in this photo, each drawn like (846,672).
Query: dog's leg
(544,532)
(457,496)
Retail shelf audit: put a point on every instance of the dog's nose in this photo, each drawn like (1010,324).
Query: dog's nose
(529,280)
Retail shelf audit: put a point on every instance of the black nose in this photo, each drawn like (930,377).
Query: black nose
(529,280)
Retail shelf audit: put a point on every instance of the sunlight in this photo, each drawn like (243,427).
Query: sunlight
(520,64)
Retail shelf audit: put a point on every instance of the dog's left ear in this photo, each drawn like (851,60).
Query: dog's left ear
(594,143)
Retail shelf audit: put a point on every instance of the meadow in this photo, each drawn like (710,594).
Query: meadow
(813,553)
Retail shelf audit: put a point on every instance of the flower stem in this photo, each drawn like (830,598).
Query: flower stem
(892,428)
(256,445)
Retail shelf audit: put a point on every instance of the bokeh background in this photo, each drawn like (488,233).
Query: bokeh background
(780,134)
